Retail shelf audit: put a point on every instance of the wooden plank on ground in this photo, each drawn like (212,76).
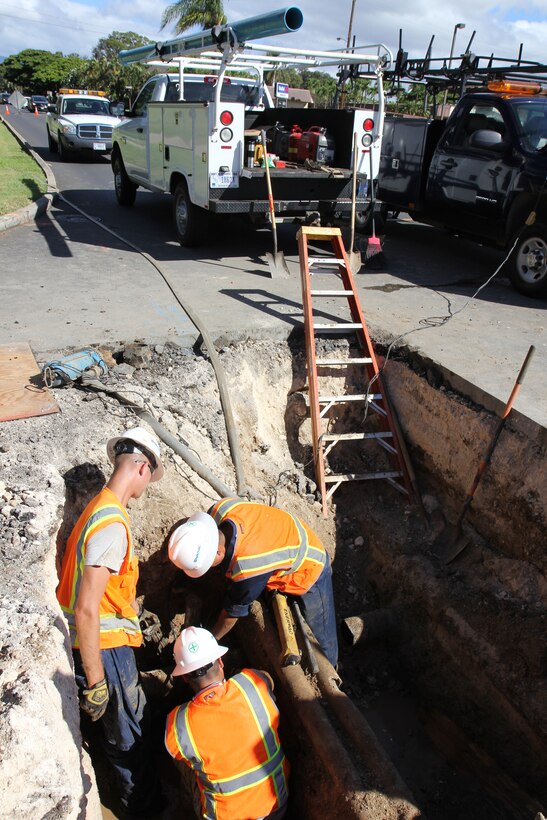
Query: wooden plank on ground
(22,393)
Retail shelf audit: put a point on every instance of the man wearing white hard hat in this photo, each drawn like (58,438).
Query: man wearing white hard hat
(227,735)
(97,592)
(258,547)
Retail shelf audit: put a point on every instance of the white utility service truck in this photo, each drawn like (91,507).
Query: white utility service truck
(195,136)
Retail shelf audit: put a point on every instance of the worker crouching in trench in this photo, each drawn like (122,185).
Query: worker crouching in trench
(226,739)
(259,548)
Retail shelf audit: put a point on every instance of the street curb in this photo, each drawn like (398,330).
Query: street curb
(40,206)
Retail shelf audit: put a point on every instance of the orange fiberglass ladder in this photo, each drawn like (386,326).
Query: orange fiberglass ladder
(372,396)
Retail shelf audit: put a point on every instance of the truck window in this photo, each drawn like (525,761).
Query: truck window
(479,117)
(200,90)
(532,123)
(141,103)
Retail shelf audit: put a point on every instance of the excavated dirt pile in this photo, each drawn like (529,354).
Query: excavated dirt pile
(454,686)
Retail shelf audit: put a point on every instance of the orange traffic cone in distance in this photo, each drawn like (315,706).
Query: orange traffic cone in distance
(7,110)
(36,113)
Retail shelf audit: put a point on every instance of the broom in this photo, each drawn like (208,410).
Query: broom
(374,246)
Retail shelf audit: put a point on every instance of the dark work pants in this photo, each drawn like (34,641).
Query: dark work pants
(125,729)
(317,606)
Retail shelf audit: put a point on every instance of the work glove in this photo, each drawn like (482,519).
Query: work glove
(94,700)
(150,626)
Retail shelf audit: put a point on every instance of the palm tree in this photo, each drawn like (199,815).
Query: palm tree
(189,13)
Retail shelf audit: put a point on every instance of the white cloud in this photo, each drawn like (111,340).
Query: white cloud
(71,26)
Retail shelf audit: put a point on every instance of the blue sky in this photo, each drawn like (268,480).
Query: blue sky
(76,25)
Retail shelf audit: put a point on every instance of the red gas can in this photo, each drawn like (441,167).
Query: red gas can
(316,144)
(294,139)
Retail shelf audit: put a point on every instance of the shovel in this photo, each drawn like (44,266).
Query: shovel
(354,257)
(276,261)
(449,545)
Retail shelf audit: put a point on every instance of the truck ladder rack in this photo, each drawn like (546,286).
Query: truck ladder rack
(383,430)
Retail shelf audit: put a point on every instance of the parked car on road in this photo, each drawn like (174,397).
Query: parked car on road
(38,103)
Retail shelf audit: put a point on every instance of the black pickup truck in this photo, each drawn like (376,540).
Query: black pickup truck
(481,174)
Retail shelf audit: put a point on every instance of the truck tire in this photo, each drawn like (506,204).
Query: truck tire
(64,153)
(126,191)
(51,144)
(528,262)
(191,222)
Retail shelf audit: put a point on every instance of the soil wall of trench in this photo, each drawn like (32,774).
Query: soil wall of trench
(485,612)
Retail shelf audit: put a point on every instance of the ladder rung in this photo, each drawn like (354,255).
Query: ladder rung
(332,293)
(355,436)
(331,479)
(346,362)
(353,397)
(338,328)
(326,260)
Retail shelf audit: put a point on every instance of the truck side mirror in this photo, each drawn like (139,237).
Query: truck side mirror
(52,108)
(486,139)
(117,109)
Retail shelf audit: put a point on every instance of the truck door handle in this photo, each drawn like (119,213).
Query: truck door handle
(449,163)
(140,130)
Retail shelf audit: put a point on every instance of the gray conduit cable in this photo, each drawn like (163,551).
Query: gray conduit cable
(213,355)
(184,452)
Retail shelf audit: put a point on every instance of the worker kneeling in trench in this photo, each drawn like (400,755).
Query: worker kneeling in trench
(227,736)
(259,547)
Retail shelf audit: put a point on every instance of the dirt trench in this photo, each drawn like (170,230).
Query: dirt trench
(452,692)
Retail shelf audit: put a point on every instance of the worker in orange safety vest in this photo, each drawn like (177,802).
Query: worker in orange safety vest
(226,738)
(97,592)
(259,547)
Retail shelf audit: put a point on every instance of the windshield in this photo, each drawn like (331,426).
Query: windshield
(532,123)
(85,106)
(39,99)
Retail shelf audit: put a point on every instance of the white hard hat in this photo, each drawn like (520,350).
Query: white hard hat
(194,544)
(145,443)
(195,647)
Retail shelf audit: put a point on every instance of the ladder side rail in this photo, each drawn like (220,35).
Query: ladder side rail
(311,363)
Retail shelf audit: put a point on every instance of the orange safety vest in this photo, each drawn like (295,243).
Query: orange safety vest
(228,735)
(119,623)
(271,540)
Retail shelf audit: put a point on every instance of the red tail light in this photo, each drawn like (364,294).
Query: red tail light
(368,124)
(226,118)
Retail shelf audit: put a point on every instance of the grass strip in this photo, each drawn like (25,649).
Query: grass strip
(22,181)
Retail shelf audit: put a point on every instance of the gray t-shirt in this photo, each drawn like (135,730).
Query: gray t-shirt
(107,547)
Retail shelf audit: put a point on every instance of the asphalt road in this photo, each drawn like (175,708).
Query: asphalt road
(78,285)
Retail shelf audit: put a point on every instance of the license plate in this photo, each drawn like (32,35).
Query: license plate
(99,146)
(223,181)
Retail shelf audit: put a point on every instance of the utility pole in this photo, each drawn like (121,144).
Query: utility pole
(348,42)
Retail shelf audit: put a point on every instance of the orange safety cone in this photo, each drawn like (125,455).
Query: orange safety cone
(7,110)
(36,112)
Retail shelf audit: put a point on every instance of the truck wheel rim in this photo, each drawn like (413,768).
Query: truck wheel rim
(182,216)
(532,260)
(118,180)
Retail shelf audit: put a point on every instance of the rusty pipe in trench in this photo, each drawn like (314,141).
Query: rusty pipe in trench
(349,775)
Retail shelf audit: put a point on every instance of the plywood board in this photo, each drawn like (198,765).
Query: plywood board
(22,393)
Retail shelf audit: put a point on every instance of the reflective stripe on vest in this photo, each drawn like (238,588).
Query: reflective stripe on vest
(272,766)
(250,566)
(110,622)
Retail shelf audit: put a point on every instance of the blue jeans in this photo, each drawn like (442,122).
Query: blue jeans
(317,606)
(125,728)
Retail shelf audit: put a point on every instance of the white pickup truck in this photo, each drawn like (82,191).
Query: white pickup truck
(81,121)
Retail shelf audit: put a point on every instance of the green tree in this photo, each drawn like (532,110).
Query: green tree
(189,13)
(105,71)
(35,72)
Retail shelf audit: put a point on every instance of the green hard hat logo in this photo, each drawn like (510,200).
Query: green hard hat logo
(193,647)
